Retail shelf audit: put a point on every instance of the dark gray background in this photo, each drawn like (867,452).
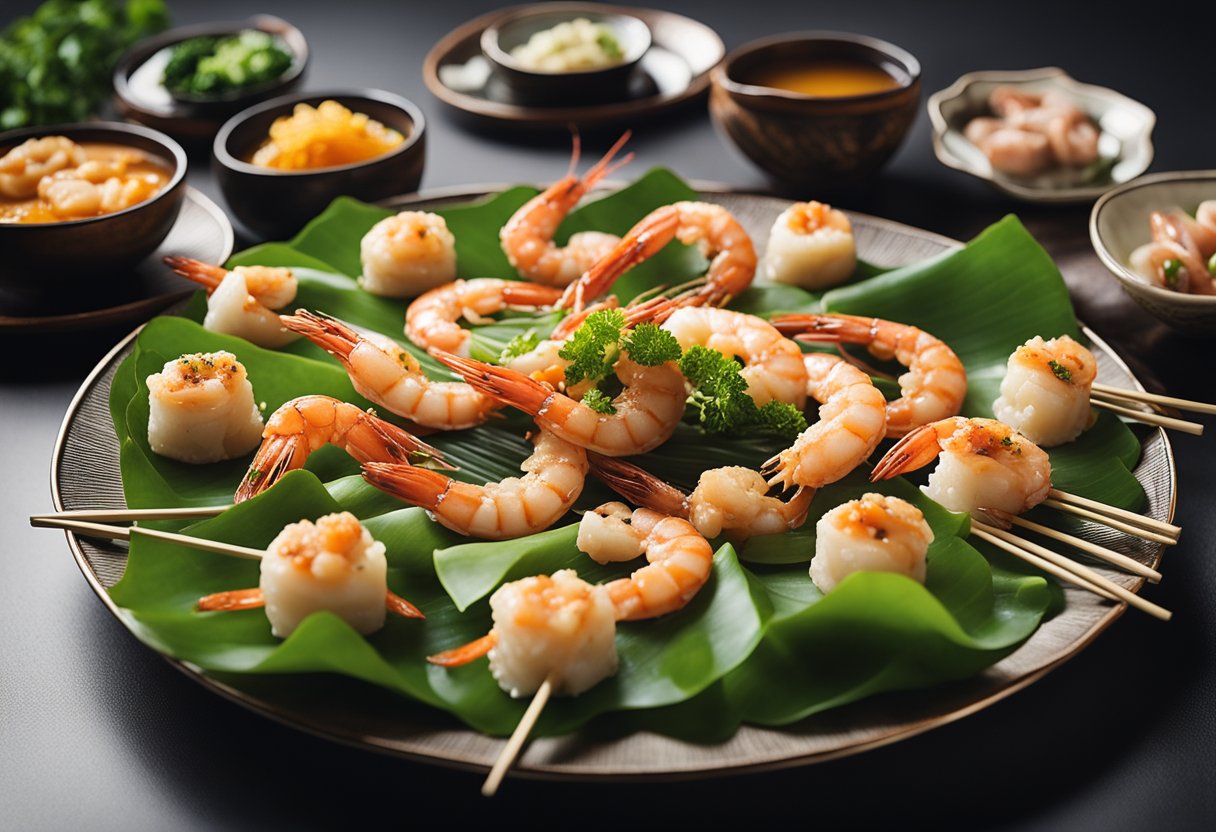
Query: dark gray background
(97,731)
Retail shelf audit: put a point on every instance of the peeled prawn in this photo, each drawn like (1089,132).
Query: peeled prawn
(303,425)
(646,411)
(985,466)
(527,238)
(936,382)
(241,302)
(811,245)
(23,167)
(679,559)
(517,506)
(872,534)
(1045,392)
(433,319)
(406,254)
(720,237)
(392,378)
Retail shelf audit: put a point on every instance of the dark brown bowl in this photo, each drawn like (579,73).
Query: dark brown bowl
(537,87)
(277,203)
(810,141)
(140,99)
(91,255)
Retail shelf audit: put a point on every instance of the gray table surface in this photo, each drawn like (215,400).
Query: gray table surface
(96,731)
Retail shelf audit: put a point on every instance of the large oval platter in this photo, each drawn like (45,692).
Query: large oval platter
(85,474)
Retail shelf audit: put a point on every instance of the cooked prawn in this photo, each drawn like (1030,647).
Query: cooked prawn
(392,378)
(679,558)
(985,466)
(303,425)
(433,319)
(517,506)
(852,421)
(936,382)
(731,500)
(723,241)
(23,167)
(527,238)
(873,534)
(646,411)
(241,302)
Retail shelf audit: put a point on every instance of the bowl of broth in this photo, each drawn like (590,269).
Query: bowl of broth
(817,110)
(80,204)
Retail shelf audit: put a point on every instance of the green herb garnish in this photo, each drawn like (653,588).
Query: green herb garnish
(519,345)
(1212,265)
(611,46)
(1007,442)
(595,346)
(721,400)
(213,66)
(56,64)
(651,346)
(1062,372)
(598,401)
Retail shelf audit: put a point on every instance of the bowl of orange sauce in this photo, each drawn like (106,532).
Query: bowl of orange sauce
(816,109)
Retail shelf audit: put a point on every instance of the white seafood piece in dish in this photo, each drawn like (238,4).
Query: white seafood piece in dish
(873,534)
(1045,392)
(201,409)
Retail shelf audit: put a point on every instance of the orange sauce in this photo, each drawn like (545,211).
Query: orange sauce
(140,177)
(826,78)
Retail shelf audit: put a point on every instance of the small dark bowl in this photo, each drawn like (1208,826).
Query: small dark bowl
(277,203)
(146,100)
(530,86)
(812,141)
(41,259)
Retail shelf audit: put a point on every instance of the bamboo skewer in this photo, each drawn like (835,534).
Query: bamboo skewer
(1193,428)
(1117,525)
(1152,398)
(89,529)
(1123,514)
(1101,552)
(518,737)
(118,515)
(1066,569)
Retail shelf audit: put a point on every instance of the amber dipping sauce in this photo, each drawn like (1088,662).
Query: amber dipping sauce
(825,77)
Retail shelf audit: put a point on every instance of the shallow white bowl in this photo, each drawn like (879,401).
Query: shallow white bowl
(1126,133)
(1119,223)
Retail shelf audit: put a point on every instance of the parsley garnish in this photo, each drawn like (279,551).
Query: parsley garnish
(721,400)
(598,401)
(1062,372)
(651,346)
(1007,442)
(519,345)
(595,346)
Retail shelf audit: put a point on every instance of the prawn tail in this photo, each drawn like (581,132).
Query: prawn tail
(639,487)
(236,599)
(466,653)
(419,486)
(605,166)
(502,383)
(401,445)
(205,274)
(643,241)
(399,606)
(276,457)
(326,332)
(801,503)
(916,450)
(518,293)
(655,311)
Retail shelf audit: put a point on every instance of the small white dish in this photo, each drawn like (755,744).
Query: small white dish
(1125,141)
(1118,224)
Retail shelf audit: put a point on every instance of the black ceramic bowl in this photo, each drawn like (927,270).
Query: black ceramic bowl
(815,141)
(277,203)
(537,87)
(140,96)
(89,255)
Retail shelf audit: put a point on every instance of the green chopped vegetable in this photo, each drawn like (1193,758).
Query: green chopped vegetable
(1212,265)
(651,346)
(598,401)
(595,346)
(610,45)
(1171,268)
(1062,372)
(56,64)
(213,66)
(519,345)
(721,401)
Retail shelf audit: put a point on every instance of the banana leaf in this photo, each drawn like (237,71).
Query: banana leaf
(759,643)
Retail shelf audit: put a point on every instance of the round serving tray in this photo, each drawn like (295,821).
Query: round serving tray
(85,474)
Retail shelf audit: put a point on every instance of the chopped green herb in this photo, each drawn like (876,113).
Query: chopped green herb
(519,345)
(598,401)
(721,401)
(595,346)
(610,45)
(651,346)
(1007,442)
(1062,372)
(213,66)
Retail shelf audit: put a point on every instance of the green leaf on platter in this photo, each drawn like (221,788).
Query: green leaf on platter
(661,662)
(759,643)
